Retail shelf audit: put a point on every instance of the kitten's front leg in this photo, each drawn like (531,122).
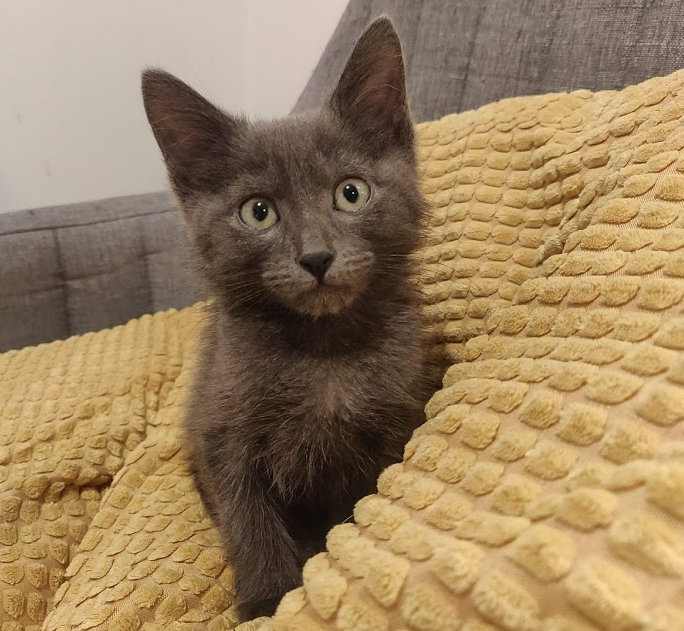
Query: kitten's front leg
(262,553)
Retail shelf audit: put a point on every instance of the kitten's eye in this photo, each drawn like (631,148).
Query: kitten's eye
(351,195)
(258,213)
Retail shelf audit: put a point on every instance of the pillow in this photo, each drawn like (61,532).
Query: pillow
(546,490)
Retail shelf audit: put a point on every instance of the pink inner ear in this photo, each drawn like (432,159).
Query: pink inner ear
(379,90)
(371,92)
(186,139)
(184,132)
(190,130)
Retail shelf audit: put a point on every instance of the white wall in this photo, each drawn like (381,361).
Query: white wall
(72,126)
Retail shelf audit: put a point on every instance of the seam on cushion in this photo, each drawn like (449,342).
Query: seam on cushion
(30,292)
(89,223)
(61,272)
(471,50)
(414,39)
(366,20)
(148,280)
(555,17)
(115,268)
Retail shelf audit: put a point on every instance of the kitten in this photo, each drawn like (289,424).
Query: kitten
(310,381)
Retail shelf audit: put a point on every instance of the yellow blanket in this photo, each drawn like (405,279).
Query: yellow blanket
(544,493)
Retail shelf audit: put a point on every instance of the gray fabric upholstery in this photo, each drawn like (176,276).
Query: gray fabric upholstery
(461,54)
(83,267)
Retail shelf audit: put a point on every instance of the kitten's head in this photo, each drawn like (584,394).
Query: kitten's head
(311,212)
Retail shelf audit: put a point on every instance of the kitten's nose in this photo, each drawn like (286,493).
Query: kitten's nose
(317,263)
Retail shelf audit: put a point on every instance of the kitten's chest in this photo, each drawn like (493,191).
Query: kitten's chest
(325,392)
(326,433)
(322,425)
(311,400)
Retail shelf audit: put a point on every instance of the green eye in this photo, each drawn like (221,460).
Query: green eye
(351,195)
(258,213)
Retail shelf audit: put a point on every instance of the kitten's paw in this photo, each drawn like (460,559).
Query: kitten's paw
(251,609)
(252,625)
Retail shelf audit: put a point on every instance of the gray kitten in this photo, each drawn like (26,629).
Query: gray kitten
(311,377)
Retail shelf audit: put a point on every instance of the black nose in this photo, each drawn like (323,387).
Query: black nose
(317,263)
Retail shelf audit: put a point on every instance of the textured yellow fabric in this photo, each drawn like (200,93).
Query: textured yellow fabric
(90,460)
(545,491)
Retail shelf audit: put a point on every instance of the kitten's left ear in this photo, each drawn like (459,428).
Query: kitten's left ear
(371,93)
(191,132)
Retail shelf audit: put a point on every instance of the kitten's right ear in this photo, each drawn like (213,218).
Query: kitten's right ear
(371,93)
(192,133)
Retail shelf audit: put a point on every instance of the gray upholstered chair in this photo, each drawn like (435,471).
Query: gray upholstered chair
(83,267)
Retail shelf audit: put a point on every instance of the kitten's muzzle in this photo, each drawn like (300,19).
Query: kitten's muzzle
(317,263)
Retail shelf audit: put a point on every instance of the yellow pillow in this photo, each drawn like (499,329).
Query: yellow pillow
(546,490)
